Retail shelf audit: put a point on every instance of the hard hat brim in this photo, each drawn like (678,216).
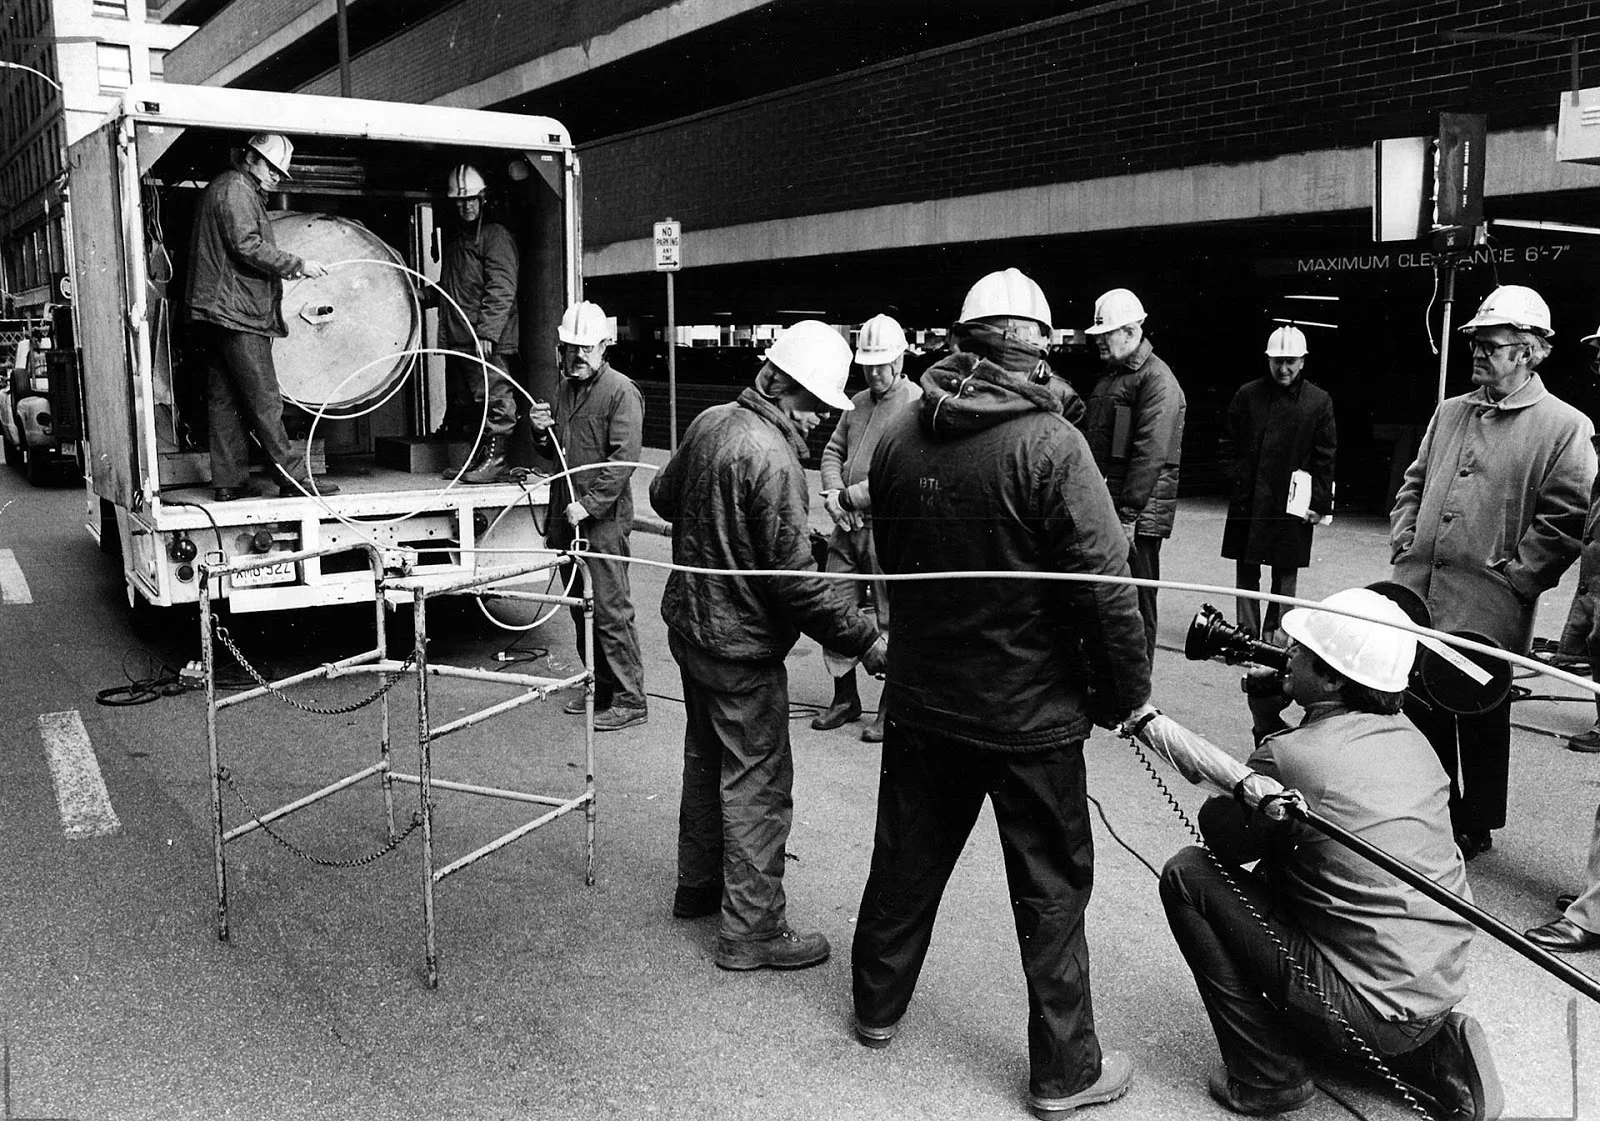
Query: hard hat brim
(878,357)
(1594,339)
(1478,321)
(1287,353)
(1104,328)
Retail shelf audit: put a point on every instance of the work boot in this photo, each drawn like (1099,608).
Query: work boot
(620,716)
(1256,1101)
(873,732)
(478,452)
(491,464)
(1116,1075)
(784,950)
(1456,1070)
(846,704)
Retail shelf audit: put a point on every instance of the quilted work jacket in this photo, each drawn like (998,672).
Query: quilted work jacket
(988,476)
(735,494)
(236,269)
(1134,425)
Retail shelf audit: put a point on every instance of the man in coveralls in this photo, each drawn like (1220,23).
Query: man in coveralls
(235,291)
(598,418)
(479,272)
(992,684)
(736,496)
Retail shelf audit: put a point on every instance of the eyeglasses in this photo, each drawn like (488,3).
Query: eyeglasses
(1485,348)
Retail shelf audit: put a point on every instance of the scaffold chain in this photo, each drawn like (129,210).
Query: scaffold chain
(1357,1044)
(320,861)
(390,680)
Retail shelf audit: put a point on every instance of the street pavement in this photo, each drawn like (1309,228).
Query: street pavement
(558,1000)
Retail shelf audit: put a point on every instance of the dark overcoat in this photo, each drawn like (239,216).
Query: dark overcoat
(1271,433)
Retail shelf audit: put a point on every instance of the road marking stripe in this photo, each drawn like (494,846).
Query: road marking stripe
(80,790)
(13,585)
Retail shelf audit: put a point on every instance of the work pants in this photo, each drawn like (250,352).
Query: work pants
(1586,910)
(465,391)
(1580,636)
(618,668)
(850,550)
(242,397)
(1244,960)
(929,795)
(1476,753)
(1247,577)
(1144,563)
(738,779)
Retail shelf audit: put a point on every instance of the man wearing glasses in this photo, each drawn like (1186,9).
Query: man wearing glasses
(1489,516)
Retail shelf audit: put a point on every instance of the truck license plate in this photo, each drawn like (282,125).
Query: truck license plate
(281,573)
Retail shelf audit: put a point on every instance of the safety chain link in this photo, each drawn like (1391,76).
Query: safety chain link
(390,680)
(1299,971)
(320,861)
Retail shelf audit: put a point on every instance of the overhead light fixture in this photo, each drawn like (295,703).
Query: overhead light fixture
(1335,299)
(1307,323)
(800,311)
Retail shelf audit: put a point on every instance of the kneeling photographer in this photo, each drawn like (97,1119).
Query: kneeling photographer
(1315,950)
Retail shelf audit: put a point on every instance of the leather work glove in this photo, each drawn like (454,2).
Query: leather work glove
(876,660)
(310,270)
(540,416)
(576,512)
(844,519)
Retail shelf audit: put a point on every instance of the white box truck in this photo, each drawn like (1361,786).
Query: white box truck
(356,375)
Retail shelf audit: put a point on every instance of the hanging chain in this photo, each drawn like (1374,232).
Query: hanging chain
(390,680)
(320,861)
(1360,1045)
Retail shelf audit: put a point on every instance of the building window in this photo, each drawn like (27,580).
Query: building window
(158,65)
(115,62)
(111,9)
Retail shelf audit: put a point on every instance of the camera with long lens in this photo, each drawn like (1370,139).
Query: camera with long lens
(1212,636)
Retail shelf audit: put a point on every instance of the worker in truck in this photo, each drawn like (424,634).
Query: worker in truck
(478,272)
(881,354)
(598,417)
(235,293)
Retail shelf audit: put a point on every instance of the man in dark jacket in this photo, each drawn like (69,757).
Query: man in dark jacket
(992,683)
(1280,431)
(1134,425)
(479,272)
(236,275)
(598,418)
(1277,426)
(736,496)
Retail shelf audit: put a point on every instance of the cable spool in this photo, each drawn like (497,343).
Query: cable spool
(340,321)
(1452,690)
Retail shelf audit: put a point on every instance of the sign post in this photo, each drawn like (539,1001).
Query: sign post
(1457,207)
(669,245)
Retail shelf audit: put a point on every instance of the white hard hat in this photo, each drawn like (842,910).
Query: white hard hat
(1006,293)
(584,324)
(1513,305)
(881,341)
(1370,653)
(464,182)
(275,149)
(815,356)
(1286,342)
(1116,308)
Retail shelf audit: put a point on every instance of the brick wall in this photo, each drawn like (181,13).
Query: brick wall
(1117,88)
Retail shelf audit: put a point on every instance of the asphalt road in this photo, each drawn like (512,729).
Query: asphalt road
(564,1001)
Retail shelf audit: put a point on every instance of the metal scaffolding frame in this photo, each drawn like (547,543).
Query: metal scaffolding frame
(419,589)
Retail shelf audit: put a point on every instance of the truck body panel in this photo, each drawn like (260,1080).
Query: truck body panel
(135,184)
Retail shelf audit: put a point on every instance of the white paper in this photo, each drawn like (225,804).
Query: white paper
(1299,504)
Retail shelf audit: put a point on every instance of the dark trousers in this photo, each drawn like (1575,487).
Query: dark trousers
(1263,1014)
(465,391)
(243,396)
(1247,576)
(1476,753)
(1144,563)
(618,668)
(738,781)
(929,795)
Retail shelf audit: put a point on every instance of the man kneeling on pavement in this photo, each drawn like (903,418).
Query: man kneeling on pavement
(1315,948)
